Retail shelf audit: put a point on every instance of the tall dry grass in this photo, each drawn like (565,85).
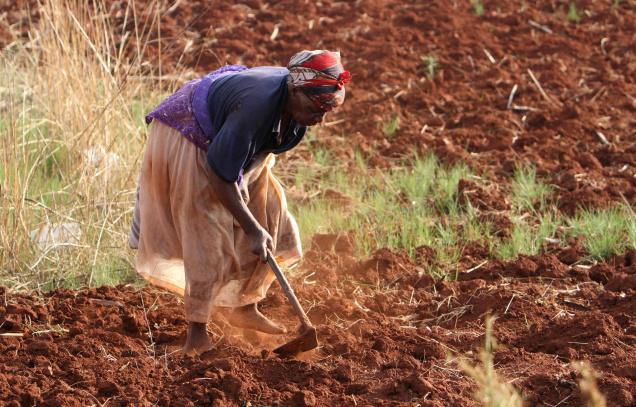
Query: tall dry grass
(71,138)
(492,389)
(589,389)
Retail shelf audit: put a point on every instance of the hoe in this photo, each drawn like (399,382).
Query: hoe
(307,339)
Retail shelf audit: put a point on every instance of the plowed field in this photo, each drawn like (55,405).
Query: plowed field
(387,330)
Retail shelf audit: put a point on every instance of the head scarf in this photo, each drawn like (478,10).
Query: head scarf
(320,75)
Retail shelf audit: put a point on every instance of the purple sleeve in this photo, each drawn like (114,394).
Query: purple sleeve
(232,146)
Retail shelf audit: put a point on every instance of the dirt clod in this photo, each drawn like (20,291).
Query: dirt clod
(304,398)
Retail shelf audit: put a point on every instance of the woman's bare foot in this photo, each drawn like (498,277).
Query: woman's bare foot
(197,341)
(249,317)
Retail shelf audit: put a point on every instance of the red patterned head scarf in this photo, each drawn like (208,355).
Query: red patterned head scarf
(321,76)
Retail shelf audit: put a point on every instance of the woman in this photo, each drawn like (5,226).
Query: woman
(209,207)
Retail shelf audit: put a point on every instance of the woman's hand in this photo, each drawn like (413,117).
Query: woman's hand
(259,241)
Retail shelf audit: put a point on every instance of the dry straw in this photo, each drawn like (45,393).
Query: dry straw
(492,390)
(72,134)
(587,384)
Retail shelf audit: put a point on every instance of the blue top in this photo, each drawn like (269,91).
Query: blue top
(245,108)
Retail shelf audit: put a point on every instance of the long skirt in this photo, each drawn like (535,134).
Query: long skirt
(189,243)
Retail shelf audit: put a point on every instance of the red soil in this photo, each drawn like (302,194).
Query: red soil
(385,326)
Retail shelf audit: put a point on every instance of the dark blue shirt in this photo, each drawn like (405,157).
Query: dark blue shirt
(246,109)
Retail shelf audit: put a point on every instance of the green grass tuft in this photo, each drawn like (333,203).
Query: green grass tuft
(528,193)
(431,64)
(445,195)
(478,7)
(573,13)
(392,126)
(605,232)
(114,271)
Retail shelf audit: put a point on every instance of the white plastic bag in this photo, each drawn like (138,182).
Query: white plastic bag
(61,234)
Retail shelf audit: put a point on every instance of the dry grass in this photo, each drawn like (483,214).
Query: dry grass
(72,133)
(492,390)
(588,386)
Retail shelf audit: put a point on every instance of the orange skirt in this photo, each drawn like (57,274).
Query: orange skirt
(189,243)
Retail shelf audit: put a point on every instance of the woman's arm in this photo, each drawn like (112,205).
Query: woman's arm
(230,196)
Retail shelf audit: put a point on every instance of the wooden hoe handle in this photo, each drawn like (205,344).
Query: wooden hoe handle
(289,291)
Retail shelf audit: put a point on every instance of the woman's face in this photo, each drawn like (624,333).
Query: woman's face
(304,110)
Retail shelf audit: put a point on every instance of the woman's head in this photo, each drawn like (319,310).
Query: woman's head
(316,85)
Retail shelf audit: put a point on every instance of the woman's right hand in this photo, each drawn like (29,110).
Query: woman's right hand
(259,241)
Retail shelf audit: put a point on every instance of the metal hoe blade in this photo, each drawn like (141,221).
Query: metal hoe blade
(307,340)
